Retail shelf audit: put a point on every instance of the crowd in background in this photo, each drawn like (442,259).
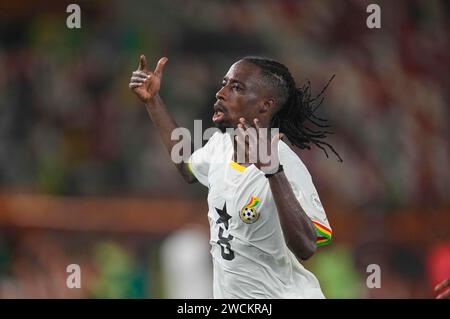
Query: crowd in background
(70,126)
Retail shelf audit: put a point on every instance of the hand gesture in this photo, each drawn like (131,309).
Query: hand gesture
(256,146)
(144,83)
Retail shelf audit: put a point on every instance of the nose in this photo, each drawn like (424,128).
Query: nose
(220,95)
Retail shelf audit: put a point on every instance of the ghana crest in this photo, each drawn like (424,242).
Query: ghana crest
(248,213)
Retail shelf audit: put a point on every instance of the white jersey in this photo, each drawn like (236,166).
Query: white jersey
(250,256)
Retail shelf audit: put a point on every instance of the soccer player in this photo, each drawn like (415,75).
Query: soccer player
(263,221)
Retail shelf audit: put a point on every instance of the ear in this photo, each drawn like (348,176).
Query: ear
(267,105)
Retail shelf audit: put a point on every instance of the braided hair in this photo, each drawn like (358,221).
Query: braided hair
(296,113)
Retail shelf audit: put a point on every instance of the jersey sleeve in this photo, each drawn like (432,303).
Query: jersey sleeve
(306,194)
(199,161)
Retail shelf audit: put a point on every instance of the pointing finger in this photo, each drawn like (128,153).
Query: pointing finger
(160,66)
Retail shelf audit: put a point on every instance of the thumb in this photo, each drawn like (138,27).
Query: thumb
(142,63)
(160,66)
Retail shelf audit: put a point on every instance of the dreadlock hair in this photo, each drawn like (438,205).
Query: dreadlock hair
(296,113)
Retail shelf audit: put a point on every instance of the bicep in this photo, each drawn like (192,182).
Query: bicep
(199,162)
(198,166)
(187,173)
(306,194)
(309,200)
(311,204)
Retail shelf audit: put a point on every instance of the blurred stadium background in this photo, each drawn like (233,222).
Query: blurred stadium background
(84,178)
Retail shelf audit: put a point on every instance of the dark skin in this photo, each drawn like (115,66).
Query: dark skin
(246,103)
(146,84)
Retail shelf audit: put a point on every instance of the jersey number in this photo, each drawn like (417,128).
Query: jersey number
(224,242)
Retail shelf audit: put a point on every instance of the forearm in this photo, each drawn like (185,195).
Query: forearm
(298,229)
(165,124)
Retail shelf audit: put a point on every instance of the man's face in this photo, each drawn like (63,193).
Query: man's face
(241,95)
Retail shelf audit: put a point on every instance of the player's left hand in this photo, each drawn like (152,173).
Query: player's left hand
(258,146)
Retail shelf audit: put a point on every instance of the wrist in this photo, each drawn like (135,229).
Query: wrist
(279,170)
(153,101)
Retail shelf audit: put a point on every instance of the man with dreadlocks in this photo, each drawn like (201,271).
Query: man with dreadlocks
(263,220)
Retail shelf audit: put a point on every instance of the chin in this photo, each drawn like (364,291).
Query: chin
(221,126)
(224,123)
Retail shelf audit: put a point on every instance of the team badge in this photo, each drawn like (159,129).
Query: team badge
(248,214)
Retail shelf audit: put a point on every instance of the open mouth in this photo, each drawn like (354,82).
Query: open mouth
(217,116)
(219,112)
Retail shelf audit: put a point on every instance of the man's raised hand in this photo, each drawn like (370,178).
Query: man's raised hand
(256,145)
(144,83)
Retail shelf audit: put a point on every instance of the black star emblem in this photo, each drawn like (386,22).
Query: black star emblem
(224,217)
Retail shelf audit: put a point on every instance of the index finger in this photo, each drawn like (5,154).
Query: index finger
(160,66)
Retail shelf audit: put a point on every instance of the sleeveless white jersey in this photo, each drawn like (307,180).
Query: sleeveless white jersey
(250,256)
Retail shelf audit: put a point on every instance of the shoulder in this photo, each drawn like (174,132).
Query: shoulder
(291,161)
(217,138)
(218,144)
